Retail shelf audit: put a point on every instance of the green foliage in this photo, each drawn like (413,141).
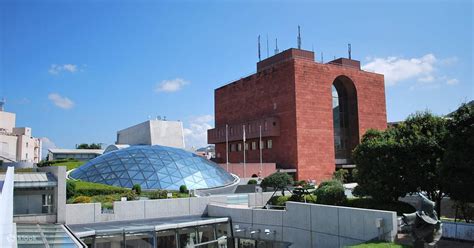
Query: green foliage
(340,175)
(458,162)
(89,146)
(379,244)
(183,189)
(399,207)
(137,188)
(277,180)
(252,181)
(279,200)
(403,159)
(70,188)
(301,183)
(82,199)
(158,194)
(131,195)
(91,189)
(70,163)
(308,198)
(330,193)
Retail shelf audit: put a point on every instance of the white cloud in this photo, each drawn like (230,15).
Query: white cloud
(55,69)
(46,144)
(195,132)
(60,101)
(452,81)
(398,69)
(170,85)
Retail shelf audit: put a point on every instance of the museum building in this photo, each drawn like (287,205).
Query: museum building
(303,115)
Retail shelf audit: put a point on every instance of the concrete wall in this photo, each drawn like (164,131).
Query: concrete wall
(153,132)
(311,225)
(7,120)
(134,210)
(6,209)
(456,230)
(60,191)
(8,146)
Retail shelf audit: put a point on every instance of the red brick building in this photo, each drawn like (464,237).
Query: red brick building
(311,114)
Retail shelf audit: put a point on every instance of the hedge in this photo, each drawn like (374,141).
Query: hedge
(92,189)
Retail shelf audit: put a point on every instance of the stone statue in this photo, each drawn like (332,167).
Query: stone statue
(424,223)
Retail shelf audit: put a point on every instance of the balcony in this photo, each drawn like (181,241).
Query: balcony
(270,128)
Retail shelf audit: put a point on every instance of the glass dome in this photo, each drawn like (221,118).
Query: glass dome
(153,167)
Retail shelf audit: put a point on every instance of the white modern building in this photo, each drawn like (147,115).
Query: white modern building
(78,154)
(153,132)
(16,143)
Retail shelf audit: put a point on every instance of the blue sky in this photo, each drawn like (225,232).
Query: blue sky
(78,71)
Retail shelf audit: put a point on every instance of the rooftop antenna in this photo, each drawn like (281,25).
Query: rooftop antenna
(259,55)
(268,53)
(349,50)
(322,57)
(276,46)
(299,37)
(164,117)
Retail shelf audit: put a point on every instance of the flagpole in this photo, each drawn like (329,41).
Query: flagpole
(245,169)
(260,146)
(227,146)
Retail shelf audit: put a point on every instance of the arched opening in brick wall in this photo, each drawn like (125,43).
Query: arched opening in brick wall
(345,119)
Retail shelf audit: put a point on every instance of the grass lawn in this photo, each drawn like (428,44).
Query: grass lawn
(379,245)
(70,164)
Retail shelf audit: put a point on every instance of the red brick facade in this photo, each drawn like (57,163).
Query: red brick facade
(290,96)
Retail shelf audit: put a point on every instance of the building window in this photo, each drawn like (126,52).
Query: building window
(254,145)
(265,126)
(231,131)
(246,146)
(239,147)
(232,147)
(26,144)
(269,144)
(262,145)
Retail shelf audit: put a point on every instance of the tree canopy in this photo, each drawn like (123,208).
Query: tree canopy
(277,180)
(426,153)
(89,146)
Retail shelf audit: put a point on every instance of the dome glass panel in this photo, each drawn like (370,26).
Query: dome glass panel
(153,167)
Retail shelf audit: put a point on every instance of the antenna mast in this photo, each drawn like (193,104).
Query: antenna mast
(299,38)
(276,46)
(349,50)
(322,57)
(259,55)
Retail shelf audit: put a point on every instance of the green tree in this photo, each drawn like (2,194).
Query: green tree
(183,189)
(137,188)
(278,181)
(89,146)
(458,163)
(380,173)
(404,159)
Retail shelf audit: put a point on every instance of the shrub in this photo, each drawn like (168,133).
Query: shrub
(82,199)
(137,188)
(252,181)
(279,200)
(131,195)
(340,175)
(158,194)
(91,189)
(302,183)
(277,180)
(303,198)
(70,189)
(330,193)
(183,189)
